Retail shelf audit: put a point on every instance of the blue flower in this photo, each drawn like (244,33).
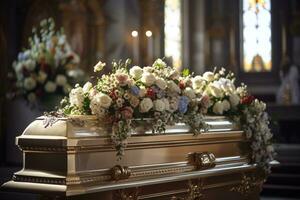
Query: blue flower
(135,90)
(182,104)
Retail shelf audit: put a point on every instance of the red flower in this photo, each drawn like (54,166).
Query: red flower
(113,95)
(181,85)
(247,99)
(150,93)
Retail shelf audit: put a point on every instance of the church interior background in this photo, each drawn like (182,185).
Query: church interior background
(258,40)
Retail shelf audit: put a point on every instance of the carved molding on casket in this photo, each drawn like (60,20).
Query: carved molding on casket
(119,172)
(33,179)
(195,192)
(247,185)
(203,160)
(126,194)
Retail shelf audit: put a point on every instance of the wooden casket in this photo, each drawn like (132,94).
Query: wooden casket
(73,158)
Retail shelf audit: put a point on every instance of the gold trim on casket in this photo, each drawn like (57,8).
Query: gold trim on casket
(77,156)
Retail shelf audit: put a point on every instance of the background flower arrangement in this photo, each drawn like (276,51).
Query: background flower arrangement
(47,67)
(165,96)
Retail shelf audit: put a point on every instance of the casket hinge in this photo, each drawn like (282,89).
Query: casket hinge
(203,160)
(118,172)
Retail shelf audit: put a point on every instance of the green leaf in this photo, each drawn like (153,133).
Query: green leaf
(186,72)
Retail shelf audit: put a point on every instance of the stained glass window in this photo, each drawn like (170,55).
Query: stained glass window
(257,46)
(173,34)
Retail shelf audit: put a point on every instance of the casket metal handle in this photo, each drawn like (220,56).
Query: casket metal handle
(119,172)
(202,160)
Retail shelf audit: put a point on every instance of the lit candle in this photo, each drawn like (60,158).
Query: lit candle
(149,46)
(135,46)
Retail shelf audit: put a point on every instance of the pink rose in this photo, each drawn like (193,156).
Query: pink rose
(122,78)
(127,112)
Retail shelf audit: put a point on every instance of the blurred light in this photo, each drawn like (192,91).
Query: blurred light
(148,33)
(134,33)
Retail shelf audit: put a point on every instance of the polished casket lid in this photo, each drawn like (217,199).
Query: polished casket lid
(75,155)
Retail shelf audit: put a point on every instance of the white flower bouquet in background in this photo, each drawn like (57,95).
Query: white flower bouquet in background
(47,67)
(166,96)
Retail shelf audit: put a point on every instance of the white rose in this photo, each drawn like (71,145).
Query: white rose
(99,66)
(189,92)
(161,83)
(173,87)
(226,105)
(61,80)
(215,90)
(145,105)
(103,100)
(31,97)
(198,82)
(218,108)
(87,86)
(30,65)
(136,72)
(167,104)
(208,76)
(29,83)
(234,100)
(148,78)
(142,92)
(50,87)
(159,105)
(41,77)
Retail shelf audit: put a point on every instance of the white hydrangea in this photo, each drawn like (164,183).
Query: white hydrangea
(215,90)
(96,107)
(226,85)
(76,97)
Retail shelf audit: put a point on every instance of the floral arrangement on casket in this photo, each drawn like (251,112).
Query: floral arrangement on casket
(47,67)
(163,94)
